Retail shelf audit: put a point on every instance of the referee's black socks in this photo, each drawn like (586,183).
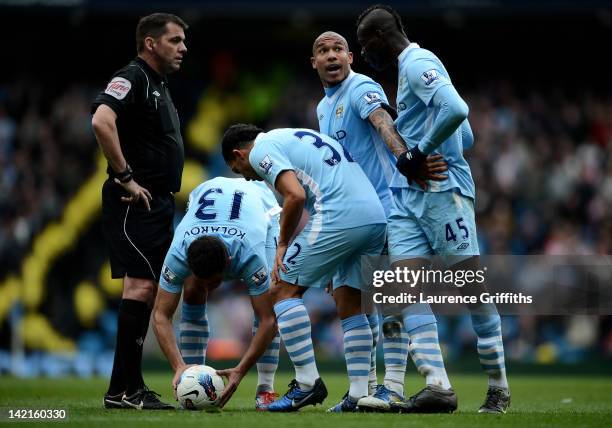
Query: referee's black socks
(131,331)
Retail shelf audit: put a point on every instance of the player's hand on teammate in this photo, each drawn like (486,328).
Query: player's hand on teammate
(414,165)
(431,169)
(136,192)
(177,377)
(234,376)
(281,249)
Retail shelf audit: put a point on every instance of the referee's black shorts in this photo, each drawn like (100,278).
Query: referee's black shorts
(137,239)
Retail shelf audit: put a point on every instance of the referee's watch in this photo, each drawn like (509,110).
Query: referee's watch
(125,175)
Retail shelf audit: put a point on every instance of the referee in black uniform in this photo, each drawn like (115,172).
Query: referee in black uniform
(138,129)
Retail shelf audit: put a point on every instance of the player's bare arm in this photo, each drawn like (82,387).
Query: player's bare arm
(165,306)
(288,185)
(262,306)
(384,125)
(104,123)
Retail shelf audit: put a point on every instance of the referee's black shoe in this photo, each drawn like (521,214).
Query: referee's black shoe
(113,401)
(431,399)
(145,399)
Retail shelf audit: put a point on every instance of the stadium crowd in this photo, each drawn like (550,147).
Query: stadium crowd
(542,164)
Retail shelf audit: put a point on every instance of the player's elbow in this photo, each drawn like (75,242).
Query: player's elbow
(458,111)
(296,196)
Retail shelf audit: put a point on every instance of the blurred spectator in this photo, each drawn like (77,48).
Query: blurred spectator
(542,164)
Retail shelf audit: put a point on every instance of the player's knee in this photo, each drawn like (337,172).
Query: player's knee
(283,290)
(348,301)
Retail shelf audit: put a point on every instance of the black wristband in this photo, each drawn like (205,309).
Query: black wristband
(125,175)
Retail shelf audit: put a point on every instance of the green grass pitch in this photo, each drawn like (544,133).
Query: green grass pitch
(568,401)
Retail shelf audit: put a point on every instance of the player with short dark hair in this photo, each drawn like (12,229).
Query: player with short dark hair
(355,111)
(228,232)
(346,222)
(432,118)
(207,256)
(137,127)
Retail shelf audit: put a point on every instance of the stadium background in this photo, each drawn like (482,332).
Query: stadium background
(533,74)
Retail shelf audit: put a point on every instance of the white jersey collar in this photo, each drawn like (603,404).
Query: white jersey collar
(342,85)
(412,45)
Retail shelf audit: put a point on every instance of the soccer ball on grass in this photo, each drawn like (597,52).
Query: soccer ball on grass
(200,388)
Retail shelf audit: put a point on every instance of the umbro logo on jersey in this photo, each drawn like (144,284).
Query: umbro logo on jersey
(463,246)
(157,94)
(321,116)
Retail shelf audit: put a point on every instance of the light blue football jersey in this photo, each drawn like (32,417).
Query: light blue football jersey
(338,193)
(343,115)
(236,211)
(421,74)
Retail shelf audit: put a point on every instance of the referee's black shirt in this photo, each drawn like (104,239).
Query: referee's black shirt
(148,126)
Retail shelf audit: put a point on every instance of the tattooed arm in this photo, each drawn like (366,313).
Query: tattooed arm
(432,167)
(383,123)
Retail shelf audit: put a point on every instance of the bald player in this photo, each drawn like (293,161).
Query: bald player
(355,112)
(432,118)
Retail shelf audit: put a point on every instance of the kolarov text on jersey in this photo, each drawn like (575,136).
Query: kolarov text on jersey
(237,212)
(343,115)
(421,74)
(338,193)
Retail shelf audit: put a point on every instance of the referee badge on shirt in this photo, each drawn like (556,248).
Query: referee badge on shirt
(118,88)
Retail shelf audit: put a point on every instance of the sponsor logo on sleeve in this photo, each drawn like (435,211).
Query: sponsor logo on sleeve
(429,77)
(266,164)
(118,88)
(372,97)
(260,276)
(167,274)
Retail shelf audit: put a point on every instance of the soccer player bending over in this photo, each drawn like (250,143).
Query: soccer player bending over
(228,232)
(347,221)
